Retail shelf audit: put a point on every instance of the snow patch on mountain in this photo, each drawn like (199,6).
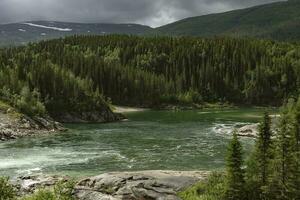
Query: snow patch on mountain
(48,27)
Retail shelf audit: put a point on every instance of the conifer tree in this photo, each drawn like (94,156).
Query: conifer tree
(282,185)
(264,154)
(235,173)
(259,164)
(295,182)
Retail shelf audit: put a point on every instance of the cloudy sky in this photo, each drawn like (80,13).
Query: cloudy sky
(149,12)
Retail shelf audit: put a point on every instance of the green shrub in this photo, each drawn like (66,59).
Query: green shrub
(42,195)
(29,103)
(186,98)
(210,189)
(7,191)
(61,191)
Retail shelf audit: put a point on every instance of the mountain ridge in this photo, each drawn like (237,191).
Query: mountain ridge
(33,31)
(275,21)
(279,21)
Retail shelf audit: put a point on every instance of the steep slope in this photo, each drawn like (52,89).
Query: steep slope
(279,21)
(22,33)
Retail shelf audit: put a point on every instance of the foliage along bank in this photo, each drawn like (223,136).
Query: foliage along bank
(272,172)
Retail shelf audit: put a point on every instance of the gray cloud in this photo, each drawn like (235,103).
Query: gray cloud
(150,12)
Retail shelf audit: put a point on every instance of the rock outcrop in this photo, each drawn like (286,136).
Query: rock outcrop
(104,115)
(250,130)
(29,184)
(160,185)
(16,125)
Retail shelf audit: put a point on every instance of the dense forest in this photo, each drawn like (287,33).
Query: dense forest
(87,72)
(272,171)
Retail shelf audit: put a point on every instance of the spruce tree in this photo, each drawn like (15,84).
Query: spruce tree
(295,182)
(259,169)
(282,185)
(235,173)
(264,153)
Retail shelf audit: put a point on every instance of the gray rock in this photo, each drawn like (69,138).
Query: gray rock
(87,117)
(251,130)
(29,184)
(12,127)
(248,130)
(144,185)
(158,185)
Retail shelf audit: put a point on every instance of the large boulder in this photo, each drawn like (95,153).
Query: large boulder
(158,185)
(143,185)
(250,130)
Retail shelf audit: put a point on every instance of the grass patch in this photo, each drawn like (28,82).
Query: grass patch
(7,191)
(7,109)
(210,189)
(4,107)
(61,191)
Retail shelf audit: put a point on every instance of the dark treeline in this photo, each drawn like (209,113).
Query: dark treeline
(149,71)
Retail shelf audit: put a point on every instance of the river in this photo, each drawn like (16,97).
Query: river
(149,140)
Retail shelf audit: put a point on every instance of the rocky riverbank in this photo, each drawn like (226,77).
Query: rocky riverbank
(119,185)
(105,114)
(251,130)
(15,125)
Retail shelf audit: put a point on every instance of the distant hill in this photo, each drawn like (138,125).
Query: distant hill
(279,21)
(22,33)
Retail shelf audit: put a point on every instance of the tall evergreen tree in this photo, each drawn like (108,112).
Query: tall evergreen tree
(235,173)
(264,154)
(282,185)
(295,182)
(259,164)
(263,148)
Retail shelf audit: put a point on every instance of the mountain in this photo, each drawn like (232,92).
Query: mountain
(22,33)
(279,21)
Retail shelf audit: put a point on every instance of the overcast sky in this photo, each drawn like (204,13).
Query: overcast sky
(150,12)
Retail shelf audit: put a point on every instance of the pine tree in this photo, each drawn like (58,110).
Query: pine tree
(259,169)
(295,182)
(282,185)
(235,173)
(264,153)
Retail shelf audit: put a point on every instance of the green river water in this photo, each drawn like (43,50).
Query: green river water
(149,140)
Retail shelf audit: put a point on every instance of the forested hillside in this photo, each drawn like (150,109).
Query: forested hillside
(37,87)
(278,21)
(79,72)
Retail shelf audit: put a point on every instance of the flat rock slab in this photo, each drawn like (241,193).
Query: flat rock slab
(144,185)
